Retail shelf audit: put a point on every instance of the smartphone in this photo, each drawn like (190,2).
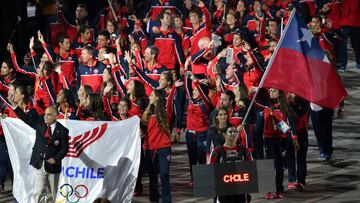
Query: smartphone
(131,17)
(217,40)
(107,56)
(229,55)
(290,6)
(323,21)
(282,13)
(114,35)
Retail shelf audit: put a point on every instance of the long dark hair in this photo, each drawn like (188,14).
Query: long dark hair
(140,97)
(114,23)
(169,77)
(215,120)
(127,100)
(25,93)
(111,80)
(281,100)
(128,103)
(96,109)
(244,95)
(160,112)
(88,90)
(49,67)
(69,98)
(226,27)
(237,14)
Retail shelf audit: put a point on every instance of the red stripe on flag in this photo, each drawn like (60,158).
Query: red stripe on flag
(98,136)
(309,78)
(81,142)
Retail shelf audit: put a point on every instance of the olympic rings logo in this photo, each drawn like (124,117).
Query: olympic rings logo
(72,194)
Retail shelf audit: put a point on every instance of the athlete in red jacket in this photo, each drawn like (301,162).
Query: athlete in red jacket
(200,30)
(90,70)
(168,43)
(157,144)
(350,27)
(197,120)
(279,135)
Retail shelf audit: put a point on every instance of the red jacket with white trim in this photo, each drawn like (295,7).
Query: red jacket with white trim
(170,49)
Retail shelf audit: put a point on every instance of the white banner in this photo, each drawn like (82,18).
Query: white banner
(103,160)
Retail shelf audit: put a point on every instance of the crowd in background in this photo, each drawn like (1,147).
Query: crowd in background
(181,66)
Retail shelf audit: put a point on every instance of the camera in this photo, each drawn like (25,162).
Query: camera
(114,35)
(107,56)
(282,13)
(290,6)
(260,13)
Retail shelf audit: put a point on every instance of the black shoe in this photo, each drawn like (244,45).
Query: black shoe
(2,189)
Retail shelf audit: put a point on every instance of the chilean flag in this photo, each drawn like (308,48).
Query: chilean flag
(300,66)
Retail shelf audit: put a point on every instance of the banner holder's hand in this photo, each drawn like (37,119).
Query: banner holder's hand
(51,161)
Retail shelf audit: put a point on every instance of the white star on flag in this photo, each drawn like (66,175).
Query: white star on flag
(307,36)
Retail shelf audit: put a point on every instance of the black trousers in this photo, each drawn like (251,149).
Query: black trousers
(322,124)
(354,34)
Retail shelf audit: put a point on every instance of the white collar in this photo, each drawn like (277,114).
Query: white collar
(52,126)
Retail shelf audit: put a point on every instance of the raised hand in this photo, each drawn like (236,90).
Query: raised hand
(178,83)
(127,57)
(108,88)
(40,37)
(31,44)
(201,4)
(10,47)
(112,59)
(58,69)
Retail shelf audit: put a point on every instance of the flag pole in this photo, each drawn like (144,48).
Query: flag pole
(267,71)
(113,11)
(282,26)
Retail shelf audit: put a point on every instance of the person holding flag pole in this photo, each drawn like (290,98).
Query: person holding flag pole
(310,68)
(113,11)
(315,89)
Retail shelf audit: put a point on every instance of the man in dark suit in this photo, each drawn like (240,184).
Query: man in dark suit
(51,146)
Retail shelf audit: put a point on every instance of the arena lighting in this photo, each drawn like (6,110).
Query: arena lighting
(233,178)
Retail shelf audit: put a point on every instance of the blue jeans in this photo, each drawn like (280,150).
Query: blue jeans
(196,147)
(273,149)
(158,162)
(5,165)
